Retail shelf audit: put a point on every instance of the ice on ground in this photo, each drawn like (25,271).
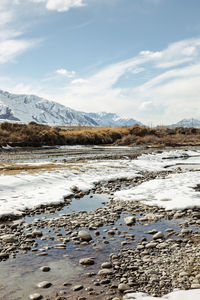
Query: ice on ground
(176,191)
(18,192)
(176,295)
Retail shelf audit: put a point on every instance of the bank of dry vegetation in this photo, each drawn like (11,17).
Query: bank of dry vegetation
(36,135)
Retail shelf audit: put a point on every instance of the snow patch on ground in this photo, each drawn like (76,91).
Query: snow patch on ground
(18,192)
(174,192)
(159,161)
(176,295)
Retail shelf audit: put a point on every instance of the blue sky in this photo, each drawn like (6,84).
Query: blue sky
(138,58)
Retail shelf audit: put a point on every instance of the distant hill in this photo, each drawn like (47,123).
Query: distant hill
(27,108)
(111,119)
(187,123)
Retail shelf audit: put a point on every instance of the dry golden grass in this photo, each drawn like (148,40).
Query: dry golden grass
(36,135)
(13,169)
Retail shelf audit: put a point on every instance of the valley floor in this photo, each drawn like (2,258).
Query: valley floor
(138,210)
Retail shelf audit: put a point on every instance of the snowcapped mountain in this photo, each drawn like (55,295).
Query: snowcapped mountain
(27,108)
(187,123)
(111,119)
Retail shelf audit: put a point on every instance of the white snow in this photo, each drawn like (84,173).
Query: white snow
(174,192)
(25,190)
(176,295)
(27,108)
(159,161)
(18,192)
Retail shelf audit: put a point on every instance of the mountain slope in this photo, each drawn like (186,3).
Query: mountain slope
(27,108)
(187,123)
(111,119)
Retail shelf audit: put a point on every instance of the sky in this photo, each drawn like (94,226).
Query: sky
(137,58)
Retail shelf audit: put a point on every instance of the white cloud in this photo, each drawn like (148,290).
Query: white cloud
(145,105)
(170,94)
(61,5)
(64,72)
(165,98)
(12,42)
(9,49)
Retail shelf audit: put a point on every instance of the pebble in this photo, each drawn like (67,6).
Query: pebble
(123,287)
(35,296)
(129,220)
(195,286)
(86,261)
(44,284)
(158,235)
(106,265)
(105,272)
(84,235)
(77,287)
(45,269)
(8,238)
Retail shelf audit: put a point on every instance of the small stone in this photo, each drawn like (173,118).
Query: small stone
(105,272)
(182,274)
(106,265)
(44,284)
(86,261)
(45,269)
(150,245)
(185,231)
(8,238)
(122,287)
(152,231)
(74,188)
(77,287)
(4,255)
(129,220)
(158,235)
(35,296)
(195,286)
(67,284)
(37,233)
(42,254)
(111,232)
(105,281)
(84,236)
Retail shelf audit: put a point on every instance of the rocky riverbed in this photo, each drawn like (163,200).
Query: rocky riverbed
(93,246)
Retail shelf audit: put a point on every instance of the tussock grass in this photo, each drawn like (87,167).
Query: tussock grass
(36,135)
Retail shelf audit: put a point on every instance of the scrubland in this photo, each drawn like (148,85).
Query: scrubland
(36,135)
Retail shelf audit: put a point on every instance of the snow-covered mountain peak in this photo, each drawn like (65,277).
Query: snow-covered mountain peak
(27,108)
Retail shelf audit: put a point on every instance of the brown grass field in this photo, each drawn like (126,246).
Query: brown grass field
(37,135)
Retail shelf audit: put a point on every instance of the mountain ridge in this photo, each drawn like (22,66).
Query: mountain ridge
(27,108)
(187,123)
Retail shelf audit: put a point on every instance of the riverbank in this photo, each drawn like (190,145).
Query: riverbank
(90,244)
